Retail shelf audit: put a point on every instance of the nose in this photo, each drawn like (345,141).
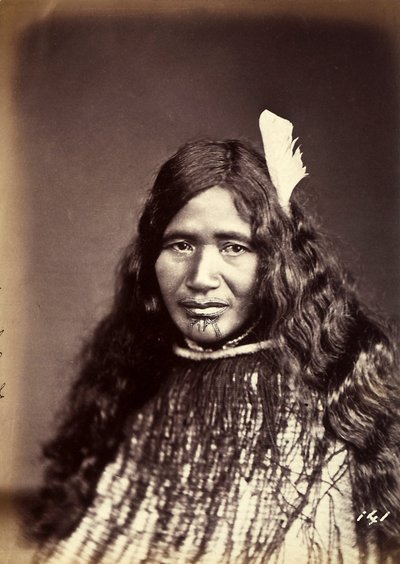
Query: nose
(204,270)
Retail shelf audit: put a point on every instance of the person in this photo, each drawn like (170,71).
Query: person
(238,404)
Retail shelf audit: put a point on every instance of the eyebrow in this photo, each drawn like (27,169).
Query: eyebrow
(219,235)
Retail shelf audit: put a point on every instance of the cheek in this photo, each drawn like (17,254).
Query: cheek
(246,280)
(168,276)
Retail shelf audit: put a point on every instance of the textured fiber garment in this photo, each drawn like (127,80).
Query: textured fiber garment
(229,464)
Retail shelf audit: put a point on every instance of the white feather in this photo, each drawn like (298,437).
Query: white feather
(284,164)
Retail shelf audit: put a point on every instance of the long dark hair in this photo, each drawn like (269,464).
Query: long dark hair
(321,335)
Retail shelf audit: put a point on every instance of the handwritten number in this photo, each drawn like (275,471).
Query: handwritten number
(372,517)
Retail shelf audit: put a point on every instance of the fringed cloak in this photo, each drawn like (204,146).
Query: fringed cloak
(229,464)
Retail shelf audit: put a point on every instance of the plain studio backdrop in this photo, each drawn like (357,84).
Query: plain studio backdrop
(102,98)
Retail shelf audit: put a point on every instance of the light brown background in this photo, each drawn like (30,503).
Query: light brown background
(94,98)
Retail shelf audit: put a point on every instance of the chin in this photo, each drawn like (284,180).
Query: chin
(211,335)
(208,336)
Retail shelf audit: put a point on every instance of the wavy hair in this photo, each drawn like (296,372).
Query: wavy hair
(322,337)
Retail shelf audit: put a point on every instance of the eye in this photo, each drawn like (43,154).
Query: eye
(181,247)
(234,249)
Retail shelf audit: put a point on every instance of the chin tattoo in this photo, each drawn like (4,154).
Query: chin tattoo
(203,322)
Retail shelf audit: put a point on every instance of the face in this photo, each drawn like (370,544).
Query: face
(207,268)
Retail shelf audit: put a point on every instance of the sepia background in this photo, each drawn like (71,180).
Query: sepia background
(95,97)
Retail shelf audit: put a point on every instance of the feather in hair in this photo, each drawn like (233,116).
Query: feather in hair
(284,164)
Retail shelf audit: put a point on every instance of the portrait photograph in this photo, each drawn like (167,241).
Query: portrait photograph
(199,289)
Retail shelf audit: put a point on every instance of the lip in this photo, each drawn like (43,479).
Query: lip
(203,303)
(210,308)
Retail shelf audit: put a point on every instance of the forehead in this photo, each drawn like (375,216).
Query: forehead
(211,210)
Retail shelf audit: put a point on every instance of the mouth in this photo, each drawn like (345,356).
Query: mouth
(210,308)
